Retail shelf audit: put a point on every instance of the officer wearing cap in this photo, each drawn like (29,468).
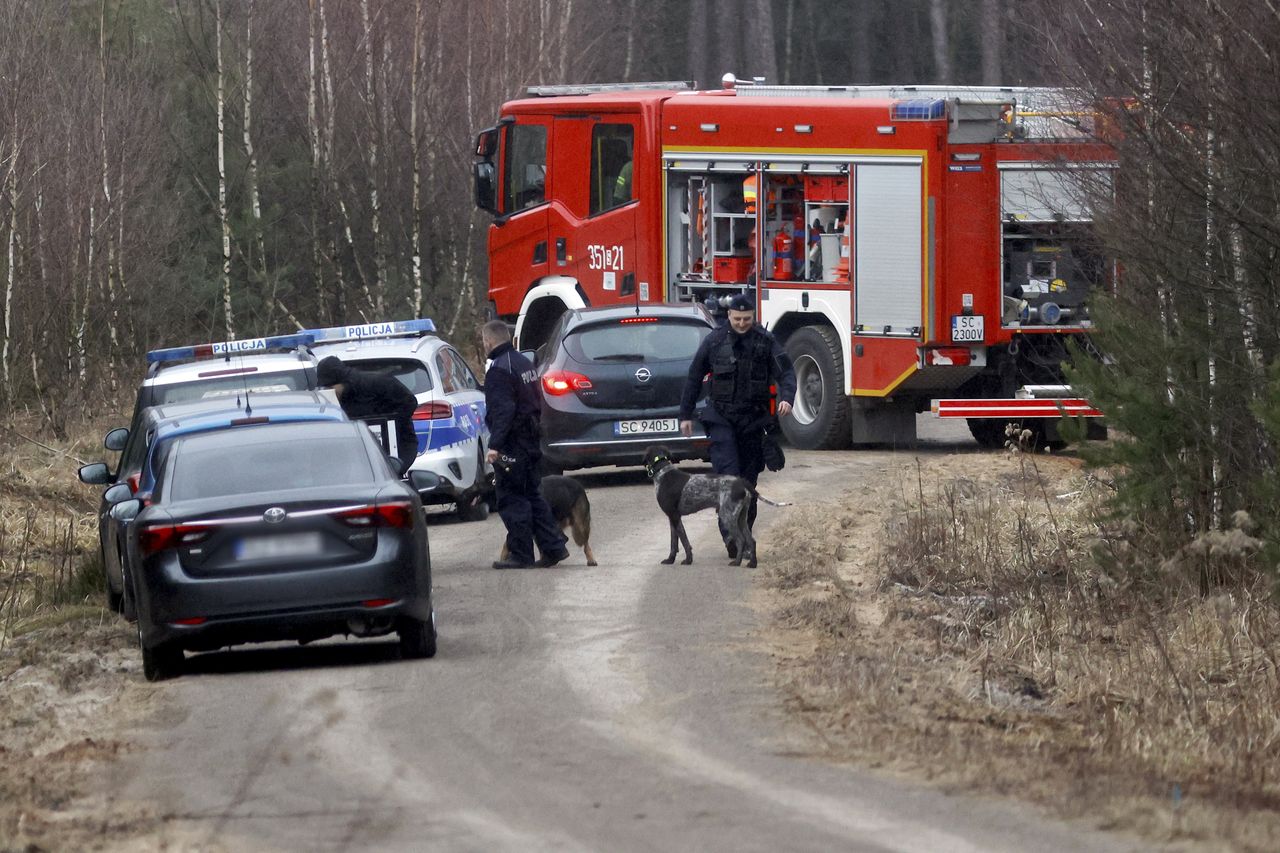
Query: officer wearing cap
(364,395)
(513,410)
(744,360)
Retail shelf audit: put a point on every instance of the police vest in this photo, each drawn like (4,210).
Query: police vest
(741,379)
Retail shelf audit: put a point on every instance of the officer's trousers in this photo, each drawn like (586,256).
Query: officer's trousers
(737,449)
(527,516)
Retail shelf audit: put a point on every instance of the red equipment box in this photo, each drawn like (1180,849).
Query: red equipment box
(732,269)
(833,188)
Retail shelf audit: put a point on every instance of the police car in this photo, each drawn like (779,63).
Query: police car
(449,421)
(199,374)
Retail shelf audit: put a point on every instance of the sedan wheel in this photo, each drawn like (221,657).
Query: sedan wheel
(417,638)
(162,661)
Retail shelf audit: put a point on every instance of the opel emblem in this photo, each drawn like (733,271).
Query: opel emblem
(275,515)
(643,374)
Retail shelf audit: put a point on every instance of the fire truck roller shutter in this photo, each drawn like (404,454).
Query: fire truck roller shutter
(888,250)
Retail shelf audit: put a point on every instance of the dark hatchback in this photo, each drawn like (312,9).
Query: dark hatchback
(611,384)
(289,531)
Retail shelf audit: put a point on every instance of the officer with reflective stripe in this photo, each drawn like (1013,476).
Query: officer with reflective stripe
(514,409)
(743,360)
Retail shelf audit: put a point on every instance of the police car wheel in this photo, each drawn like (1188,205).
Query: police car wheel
(472,507)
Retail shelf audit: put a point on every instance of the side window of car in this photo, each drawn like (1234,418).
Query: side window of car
(463,376)
(445,369)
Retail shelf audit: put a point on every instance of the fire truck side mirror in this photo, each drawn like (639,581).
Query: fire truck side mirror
(486,187)
(487,143)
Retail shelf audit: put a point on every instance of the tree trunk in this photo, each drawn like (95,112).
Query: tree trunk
(726,37)
(375,125)
(313,133)
(991,28)
(415,148)
(941,41)
(222,180)
(696,49)
(11,187)
(860,44)
(255,201)
(761,53)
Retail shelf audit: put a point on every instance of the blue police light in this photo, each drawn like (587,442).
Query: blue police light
(248,346)
(372,330)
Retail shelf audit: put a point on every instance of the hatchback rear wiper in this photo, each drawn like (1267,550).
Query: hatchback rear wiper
(621,356)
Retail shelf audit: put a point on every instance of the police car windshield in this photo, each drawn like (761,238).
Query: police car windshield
(227,387)
(267,458)
(659,340)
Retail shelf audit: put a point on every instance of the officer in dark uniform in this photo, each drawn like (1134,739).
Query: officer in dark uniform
(743,360)
(514,409)
(373,396)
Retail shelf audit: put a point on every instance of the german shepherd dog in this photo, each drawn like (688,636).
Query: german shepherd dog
(680,494)
(572,510)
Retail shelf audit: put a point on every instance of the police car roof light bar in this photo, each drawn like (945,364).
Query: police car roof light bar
(248,346)
(372,330)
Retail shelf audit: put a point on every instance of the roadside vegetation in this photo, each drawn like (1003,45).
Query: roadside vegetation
(996,628)
(61,651)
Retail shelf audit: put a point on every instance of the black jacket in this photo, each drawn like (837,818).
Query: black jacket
(769,361)
(374,395)
(513,402)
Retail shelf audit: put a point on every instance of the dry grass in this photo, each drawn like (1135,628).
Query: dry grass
(987,649)
(62,654)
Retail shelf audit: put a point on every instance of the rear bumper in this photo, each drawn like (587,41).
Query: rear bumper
(1015,408)
(299,605)
(579,437)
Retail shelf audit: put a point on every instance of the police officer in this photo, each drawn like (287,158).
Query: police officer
(514,409)
(373,396)
(743,360)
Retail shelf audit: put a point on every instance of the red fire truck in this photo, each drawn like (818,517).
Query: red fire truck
(914,247)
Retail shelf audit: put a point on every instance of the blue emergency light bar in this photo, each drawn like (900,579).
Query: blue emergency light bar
(371,330)
(248,346)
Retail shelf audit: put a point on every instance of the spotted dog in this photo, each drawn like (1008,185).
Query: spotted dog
(680,494)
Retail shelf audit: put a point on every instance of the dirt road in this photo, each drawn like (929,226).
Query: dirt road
(625,707)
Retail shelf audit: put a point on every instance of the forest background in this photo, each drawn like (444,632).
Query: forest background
(188,170)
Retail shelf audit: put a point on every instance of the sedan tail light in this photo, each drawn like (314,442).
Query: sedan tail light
(391,514)
(560,382)
(433,411)
(162,537)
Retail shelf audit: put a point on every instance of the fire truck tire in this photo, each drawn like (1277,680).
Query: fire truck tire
(820,418)
(988,432)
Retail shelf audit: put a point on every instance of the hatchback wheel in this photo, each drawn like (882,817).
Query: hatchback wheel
(417,638)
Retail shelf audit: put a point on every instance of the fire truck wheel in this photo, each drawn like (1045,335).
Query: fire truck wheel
(988,432)
(820,418)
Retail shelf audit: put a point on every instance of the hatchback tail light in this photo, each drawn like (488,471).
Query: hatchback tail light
(163,537)
(560,382)
(391,514)
(433,411)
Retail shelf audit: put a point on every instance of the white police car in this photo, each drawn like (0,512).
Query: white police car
(449,421)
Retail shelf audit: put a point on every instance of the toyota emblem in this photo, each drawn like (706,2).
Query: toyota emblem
(275,515)
(643,374)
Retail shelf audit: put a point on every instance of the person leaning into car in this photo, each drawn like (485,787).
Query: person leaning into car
(365,395)
(513,410)
(744,360)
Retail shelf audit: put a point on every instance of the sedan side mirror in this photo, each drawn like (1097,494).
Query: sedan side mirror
(116,439)
(95,474)
(126,510)
(117,493)
(424,481)
(396,464)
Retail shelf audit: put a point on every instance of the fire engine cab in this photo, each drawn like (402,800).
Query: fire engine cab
(914,247)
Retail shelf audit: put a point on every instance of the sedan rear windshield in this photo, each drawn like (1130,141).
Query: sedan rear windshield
(640,340)
(412,374)
(225,387)
(248,460)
